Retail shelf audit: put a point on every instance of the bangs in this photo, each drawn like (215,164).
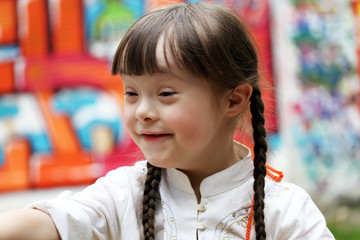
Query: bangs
(183,45)
(203,39)
(136,54)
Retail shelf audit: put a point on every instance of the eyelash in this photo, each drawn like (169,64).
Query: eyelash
(162,94)
(166,94)
(130,93)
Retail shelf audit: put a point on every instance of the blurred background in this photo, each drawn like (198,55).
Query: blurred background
(61,110)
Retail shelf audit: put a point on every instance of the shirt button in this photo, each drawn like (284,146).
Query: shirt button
(201,207)
(201,226)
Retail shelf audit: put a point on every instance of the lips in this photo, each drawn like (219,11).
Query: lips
(155,136)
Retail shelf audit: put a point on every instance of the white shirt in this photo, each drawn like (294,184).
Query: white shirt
(111,207)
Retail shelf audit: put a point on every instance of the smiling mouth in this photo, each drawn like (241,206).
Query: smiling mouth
(155,137)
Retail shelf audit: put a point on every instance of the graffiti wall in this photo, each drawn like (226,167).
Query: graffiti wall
(60,109)
(318,90)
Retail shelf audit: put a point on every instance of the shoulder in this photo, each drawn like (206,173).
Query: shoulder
(284,200)
(293,213)
(285,191)
(282,197)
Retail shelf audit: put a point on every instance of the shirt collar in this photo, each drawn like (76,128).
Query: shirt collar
(217,183)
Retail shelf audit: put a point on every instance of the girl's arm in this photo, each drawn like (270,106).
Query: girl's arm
(27,224)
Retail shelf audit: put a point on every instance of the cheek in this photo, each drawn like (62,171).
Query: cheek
(128,118)
(191,123)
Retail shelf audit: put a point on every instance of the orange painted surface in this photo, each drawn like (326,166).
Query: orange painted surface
(33,24)
(8,22)
(67,27)
(68,164)
(64,169)
(53,72)
(14,173)
(7,80)
(62,135)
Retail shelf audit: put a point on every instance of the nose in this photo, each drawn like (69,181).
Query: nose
(146,111)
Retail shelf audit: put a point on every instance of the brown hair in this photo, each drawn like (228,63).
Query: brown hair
(206,40)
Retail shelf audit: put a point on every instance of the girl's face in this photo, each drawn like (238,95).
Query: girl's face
(174,117)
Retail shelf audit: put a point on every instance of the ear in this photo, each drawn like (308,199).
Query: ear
(238,99)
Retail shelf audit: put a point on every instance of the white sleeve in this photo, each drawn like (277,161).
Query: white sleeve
(291,214)
(95,212)
(71,220)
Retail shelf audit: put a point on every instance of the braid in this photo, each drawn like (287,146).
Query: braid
(260,148)
(151,194)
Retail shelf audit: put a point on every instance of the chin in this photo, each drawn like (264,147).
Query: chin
(160,163)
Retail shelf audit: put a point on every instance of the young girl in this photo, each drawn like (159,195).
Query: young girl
(190,74)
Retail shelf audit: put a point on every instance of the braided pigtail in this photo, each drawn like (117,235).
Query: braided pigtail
(151,194)
(260,148)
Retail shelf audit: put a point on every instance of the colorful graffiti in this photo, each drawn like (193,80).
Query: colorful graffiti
(106,21)
(60,109)
(320,109)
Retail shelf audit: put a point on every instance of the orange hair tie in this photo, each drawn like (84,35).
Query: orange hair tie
(270,172)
